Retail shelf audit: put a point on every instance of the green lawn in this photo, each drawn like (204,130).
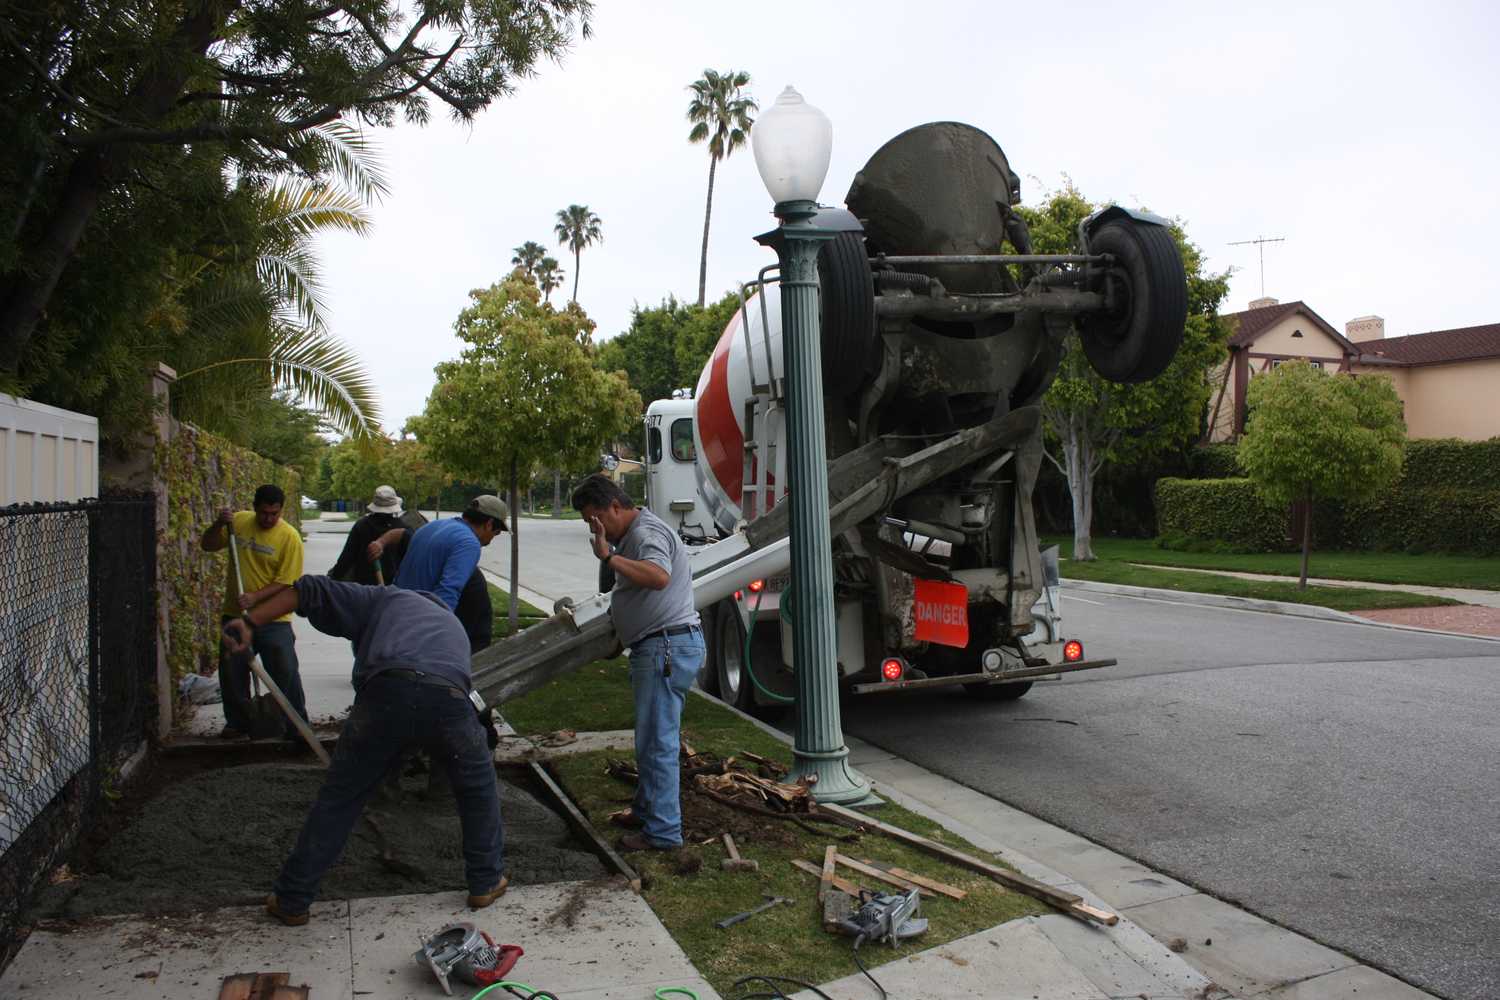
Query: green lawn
(787,940)
(1477,572)
(544,513)
(500,602)
(311,515)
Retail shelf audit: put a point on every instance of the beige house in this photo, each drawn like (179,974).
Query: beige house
(1448,380)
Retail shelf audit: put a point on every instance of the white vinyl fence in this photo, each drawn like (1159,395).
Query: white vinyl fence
(47,455)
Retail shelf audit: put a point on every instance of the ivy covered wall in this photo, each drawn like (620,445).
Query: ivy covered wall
(200,472)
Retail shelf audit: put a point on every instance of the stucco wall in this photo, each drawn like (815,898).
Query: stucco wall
(1459,400)
(1313,344)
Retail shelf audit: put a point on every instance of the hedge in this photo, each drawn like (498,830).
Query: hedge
(1226,511)
(1214,461)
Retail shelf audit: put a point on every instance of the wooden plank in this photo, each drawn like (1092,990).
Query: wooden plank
(581,823)
(882,876)
(289,993)
(942,888)
(841,884)
(1068,902)
(266,984)
(838,906)
(237,987)
(829,854)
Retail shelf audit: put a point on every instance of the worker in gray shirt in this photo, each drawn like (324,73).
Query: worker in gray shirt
(412,688)
(653,611)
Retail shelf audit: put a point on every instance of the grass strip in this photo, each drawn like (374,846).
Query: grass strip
(1337,598)
(530,614)
(1427,570)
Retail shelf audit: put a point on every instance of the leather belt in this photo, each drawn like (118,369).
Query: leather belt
(419,677)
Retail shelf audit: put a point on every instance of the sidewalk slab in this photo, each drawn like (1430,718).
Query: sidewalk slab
(1357,983)
(613,946)
(1249,956)
(166,958)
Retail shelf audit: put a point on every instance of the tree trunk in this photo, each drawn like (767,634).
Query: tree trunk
(708,209)
(1077,458)
(1306,540)
(556,493)
(515,552)
(575,275)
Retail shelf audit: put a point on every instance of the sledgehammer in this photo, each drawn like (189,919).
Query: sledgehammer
(735,863)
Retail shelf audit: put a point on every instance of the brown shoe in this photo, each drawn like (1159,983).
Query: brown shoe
(273,907)
(627,819)
(636,842)
(480,901)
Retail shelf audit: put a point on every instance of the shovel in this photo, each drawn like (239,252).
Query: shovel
(263,712)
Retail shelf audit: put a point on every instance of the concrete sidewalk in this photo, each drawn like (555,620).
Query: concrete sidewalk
(1484,598)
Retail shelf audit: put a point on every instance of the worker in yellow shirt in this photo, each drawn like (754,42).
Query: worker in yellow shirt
(270,557)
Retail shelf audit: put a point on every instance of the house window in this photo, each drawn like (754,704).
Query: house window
(1316,364)
(1276,363)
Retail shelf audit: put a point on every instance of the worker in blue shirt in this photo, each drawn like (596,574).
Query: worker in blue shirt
(412,688)
(442,555)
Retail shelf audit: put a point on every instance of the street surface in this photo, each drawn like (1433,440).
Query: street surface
(1339,779)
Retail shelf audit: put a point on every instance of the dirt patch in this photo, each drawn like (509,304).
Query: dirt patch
(217,838)
(1471,618)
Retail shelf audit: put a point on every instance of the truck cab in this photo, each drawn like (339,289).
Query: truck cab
(672,471)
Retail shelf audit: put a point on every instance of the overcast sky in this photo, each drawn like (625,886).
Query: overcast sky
(1364,133)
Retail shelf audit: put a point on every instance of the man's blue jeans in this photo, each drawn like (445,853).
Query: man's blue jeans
(659,696)
(276,645)
(392,714)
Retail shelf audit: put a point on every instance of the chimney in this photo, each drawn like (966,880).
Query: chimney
(1365,328)
(1262,303)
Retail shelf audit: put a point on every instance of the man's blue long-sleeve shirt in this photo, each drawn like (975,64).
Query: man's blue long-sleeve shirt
(389,627)
(440,559)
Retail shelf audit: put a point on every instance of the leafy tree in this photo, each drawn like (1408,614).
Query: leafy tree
(549,277)
(528,256)
(667,345)
(413,469)
(357,467)
(1316,436)
(1090,421)
(722,115)
(287,434)
(577,229)
(524,394)
(96,98)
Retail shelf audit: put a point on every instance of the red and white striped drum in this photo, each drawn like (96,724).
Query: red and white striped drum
(739,361)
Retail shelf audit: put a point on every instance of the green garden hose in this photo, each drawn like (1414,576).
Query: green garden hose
(750,637)
(662,992)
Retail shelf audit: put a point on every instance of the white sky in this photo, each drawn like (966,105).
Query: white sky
(1365,133)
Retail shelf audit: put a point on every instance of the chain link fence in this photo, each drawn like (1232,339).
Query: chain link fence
(77,674)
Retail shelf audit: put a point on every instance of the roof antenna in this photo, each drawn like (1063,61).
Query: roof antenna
(1260,242)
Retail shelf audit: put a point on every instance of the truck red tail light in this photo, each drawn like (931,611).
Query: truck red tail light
(756,586)
(1072,651)
(892,669)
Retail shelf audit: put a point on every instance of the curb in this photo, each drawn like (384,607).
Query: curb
(1312,611)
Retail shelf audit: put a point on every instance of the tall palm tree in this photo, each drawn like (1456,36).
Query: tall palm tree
(548,276)
(722,115)
(577,228)
(528,256)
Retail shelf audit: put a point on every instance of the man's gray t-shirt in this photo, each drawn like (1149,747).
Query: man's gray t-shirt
(639,611)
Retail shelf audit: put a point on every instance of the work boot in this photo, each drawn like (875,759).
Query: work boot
(273,907)
(480,901)
(637,842)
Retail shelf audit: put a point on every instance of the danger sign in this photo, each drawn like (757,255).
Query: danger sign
(941,611)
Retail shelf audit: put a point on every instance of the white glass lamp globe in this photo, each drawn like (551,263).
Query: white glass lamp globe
(792,143)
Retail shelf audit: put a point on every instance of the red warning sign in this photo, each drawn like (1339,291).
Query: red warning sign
(942,612)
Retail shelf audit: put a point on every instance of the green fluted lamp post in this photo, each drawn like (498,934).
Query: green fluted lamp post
(792,142)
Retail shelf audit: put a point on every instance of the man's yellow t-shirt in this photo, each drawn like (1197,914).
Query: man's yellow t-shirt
(266,557)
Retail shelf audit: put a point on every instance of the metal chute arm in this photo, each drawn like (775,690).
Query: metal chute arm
(861,484)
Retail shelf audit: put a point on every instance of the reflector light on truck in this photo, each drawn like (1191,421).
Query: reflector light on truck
(1072,651)
(892,669)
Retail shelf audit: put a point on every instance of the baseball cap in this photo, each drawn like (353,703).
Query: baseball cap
(491,506)
(385,502)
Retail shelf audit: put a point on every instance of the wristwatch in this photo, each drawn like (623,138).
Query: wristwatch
(607,558)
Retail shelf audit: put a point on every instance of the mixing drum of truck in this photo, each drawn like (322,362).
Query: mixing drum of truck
(941,332)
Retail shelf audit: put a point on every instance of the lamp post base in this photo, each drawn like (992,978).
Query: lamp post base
(836,782)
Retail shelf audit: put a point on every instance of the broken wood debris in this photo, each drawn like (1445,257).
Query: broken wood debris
(260,986)
(881,875)
(816,871)
(952,892)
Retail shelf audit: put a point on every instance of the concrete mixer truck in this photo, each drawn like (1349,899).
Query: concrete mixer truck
(941,330)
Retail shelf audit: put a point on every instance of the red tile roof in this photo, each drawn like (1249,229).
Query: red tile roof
(1467,343)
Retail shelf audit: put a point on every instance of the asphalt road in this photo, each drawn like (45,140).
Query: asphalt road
(1340,779)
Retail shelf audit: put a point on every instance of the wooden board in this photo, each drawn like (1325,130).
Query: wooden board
(581,823)
(882,876)
(826,875)
(941,888)
(289,993)
(843,885)
(1068,902)
(237,987)
(838,906)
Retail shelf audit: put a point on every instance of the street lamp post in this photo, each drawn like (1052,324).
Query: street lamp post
(792,143)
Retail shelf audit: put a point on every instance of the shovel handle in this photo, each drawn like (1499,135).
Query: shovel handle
(291,713)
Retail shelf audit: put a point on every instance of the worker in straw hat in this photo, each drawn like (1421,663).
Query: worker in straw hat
(383,513)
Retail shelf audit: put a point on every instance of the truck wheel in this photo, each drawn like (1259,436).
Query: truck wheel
(847,300)
(998,692)
(708,674)
(733,682)
(1138,339)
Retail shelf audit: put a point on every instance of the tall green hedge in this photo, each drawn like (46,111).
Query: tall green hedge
(1224,511)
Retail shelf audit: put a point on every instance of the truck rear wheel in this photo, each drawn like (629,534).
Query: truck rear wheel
(1137,339)
(998,692)
(731,679)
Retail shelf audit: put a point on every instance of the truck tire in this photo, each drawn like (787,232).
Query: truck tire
(998,692)
(732,681)
(847,308)
(708,674)
(1136,341)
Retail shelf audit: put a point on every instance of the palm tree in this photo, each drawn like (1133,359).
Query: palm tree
(577,228)
(528,256)
(722,116)
(548,276)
